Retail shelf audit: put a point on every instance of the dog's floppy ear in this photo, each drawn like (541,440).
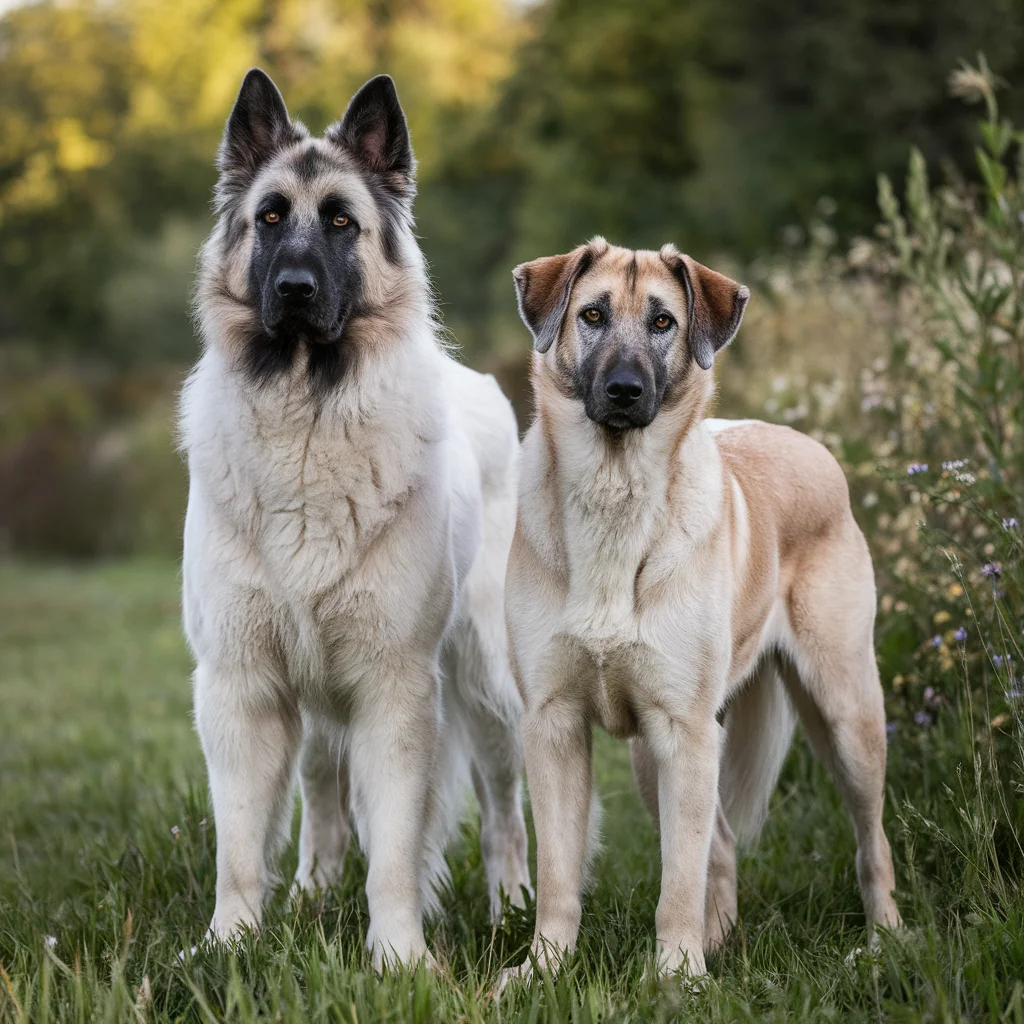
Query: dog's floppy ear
(715,304)
(258,126)
(374,129)
(543,287)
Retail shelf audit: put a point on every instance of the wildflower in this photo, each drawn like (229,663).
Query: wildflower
(175,831)
(1000,720)
(974,84)
(953,465)
(50,940)
(922,718)
(917,467)
(1011,524)
(891,728)
(1014,693)
(929,695)
(936,641)
(992,569)
(960,635)
(997,660)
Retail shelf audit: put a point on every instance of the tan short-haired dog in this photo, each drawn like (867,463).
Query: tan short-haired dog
(685,583)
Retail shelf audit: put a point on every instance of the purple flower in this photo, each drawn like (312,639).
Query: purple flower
(960,636)
(175,831)
(997,660)
(1013,694)
(992,569)
(1010,524)
(929,695)
(891,728)
(936,641)
(917,467)
(922,718)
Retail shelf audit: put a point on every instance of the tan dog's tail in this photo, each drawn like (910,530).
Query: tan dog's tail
(759,727)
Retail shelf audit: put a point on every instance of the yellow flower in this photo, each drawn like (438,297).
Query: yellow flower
(954,591)
(941,617)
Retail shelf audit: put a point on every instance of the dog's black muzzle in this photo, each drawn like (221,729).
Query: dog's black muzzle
(297,299)
(624,397)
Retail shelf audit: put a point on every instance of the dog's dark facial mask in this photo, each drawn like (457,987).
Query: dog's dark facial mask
(623,359)
(628,325)
(306,275)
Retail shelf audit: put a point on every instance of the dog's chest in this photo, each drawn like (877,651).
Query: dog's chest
(309,494)
(643,617)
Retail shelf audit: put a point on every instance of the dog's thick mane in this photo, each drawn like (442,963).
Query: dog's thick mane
(228,316)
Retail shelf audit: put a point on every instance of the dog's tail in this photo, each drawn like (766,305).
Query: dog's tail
(759,728)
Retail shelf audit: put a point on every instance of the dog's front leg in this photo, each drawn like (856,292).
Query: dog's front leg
(250,735)
(557,742)
(686,751)
(393,760)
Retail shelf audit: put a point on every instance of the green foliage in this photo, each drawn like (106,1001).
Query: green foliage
(714,125)
(110,117)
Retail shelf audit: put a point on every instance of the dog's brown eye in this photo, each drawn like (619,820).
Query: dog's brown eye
(271,218)
(592,316)
(663,321)
(340,221)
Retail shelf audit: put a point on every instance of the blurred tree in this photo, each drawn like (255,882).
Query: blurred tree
(110,115)
(591,136)
(823,94)
(711,124)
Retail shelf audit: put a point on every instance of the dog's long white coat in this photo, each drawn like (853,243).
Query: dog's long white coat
(343,572)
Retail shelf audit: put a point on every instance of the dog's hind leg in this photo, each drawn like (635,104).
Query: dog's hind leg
(645,770)
(720,899)
(833,681)
(758,731)
(491,711)
(250,736)
(325,832)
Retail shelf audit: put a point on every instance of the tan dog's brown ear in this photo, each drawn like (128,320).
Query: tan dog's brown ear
(543,287)
(715,304)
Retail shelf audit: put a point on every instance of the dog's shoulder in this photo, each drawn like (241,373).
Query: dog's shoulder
(783,471)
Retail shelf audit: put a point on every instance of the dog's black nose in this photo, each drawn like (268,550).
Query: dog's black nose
(624,388)
(296,285)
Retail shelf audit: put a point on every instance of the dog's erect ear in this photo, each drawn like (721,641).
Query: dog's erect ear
(543,288)
(715,304)
(374,130)
(258,126)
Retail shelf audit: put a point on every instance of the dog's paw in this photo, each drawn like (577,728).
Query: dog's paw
(521,975)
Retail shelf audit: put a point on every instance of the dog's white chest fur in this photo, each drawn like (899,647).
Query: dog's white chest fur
(617,555)
(288,497)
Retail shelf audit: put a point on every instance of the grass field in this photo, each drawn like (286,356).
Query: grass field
(107,867)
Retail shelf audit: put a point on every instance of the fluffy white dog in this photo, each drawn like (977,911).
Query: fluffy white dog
(351,507)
